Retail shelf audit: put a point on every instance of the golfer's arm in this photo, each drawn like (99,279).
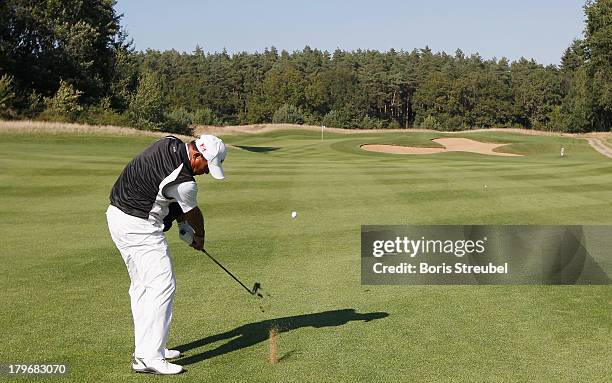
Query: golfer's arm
(196,220)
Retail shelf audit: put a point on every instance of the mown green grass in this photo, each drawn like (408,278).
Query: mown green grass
(65,287)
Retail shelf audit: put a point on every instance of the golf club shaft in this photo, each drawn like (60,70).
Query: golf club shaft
(227,271)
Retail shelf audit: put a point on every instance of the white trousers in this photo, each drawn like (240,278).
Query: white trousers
(145,252)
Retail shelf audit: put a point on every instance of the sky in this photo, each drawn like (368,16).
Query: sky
(538,29)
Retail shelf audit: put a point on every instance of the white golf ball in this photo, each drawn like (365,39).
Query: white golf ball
(293,214)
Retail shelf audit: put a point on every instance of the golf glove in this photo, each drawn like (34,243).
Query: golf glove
(186,232)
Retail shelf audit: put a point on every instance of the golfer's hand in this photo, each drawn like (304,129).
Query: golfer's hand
(198,242)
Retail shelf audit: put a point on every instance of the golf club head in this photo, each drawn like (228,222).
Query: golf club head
(265,304)
(255,290)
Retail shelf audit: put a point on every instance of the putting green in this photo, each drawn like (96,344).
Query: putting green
(65,287)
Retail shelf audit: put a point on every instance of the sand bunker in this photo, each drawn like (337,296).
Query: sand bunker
(448,145)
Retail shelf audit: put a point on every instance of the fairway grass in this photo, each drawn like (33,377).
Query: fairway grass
(64,286)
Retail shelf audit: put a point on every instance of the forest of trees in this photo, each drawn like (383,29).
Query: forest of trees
(70,60)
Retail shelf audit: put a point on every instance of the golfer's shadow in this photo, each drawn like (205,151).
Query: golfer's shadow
(257,149)
(250,334)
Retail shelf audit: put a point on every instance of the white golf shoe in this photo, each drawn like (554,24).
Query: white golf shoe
(155,366)
(171,354)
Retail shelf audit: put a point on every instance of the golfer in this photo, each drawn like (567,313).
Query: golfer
(139,201)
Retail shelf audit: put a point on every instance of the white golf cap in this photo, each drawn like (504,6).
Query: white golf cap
(214,151)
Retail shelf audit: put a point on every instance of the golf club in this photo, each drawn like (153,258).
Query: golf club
(256,286)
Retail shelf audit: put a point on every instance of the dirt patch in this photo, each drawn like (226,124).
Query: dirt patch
(601,146)
(451,144)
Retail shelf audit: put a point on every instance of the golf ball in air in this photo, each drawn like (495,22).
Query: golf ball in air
(293,214)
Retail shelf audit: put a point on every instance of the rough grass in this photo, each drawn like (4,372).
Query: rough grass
(45,127)
(32,126)
(266,128)
(65,287)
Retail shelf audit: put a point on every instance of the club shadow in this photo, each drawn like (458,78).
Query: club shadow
(286,355)
(250,334)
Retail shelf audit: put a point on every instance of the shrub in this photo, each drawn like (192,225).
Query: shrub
(393,125)
(64,105)
(312,119)
(371,123)
(454,123)
(6,93)
(288,114)
(557,120)
(179,121)
(206,116)
(146,109)
(430,122)
(338,119)
(103,114)
(35,105)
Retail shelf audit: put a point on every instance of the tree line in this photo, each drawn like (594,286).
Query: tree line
(70,60)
